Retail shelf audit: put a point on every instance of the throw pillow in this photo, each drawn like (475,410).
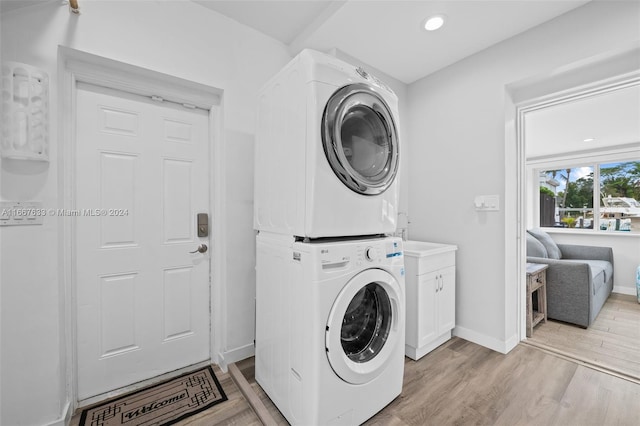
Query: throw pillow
(552,248)
(535,247)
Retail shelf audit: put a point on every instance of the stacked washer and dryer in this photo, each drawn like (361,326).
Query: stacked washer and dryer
(330,296)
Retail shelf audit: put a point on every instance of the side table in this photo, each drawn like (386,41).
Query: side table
(536,282)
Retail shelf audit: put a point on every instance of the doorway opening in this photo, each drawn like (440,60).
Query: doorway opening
(582,82)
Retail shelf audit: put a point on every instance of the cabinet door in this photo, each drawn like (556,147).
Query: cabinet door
(447,300)
(427,312)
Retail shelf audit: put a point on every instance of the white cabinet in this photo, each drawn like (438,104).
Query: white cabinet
(431,295)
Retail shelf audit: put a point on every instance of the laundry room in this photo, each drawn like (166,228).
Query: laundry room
(451,143)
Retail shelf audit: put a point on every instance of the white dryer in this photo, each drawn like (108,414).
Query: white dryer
(327,151)
(330,327)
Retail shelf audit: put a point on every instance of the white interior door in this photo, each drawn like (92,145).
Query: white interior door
(142,297)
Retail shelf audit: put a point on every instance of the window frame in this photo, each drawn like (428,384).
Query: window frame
(592,158)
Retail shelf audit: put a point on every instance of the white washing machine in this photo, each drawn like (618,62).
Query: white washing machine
(330,327)
(327,151)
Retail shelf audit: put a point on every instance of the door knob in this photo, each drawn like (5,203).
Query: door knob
(201,249)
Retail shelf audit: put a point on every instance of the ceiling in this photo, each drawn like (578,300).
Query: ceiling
(386,34)
(611,119)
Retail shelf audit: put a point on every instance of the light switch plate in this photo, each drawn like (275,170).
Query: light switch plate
(487,203)
(21,213)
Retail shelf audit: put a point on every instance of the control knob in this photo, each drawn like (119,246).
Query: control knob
(371,254)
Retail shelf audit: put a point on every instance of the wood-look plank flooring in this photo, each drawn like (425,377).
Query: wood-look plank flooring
(612,341)
(461,383)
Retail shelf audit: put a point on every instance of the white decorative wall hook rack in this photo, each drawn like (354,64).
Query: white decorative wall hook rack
(25,112)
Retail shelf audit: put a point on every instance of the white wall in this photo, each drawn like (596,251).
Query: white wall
(178,38)
(456,139)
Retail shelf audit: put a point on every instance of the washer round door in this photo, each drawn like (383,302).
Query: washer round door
(360,139)
(364,326)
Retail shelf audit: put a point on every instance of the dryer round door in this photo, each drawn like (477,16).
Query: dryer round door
(360,139)
(364,326)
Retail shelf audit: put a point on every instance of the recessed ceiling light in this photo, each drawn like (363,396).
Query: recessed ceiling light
(589,140)
(434,22)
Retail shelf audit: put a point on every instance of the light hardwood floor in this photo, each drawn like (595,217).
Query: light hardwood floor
(612,341)
(461,383)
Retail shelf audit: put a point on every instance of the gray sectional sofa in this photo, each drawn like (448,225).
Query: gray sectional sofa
(579,278)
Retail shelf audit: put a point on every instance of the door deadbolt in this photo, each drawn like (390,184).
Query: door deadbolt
(203,225)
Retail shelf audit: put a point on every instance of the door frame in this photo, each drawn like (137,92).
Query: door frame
(585,78)
(76,66)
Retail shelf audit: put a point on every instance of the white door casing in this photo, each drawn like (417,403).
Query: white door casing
(142,298)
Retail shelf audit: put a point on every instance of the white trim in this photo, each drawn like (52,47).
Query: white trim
(591,232)
(113,74)
(417,353)
(237,354)
(218,274)
(75,66)
(65,417)
(629,152)
(606,72)
(487,341)
(514,205)
(625,290)
(623,152)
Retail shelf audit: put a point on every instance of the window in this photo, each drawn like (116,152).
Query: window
(567,197)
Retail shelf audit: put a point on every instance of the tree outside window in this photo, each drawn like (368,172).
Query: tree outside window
(572,192)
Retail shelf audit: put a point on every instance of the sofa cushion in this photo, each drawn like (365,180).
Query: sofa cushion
(535,247)
(553,251)
(601,271)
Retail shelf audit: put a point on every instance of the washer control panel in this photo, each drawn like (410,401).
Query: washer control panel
(362,253)
(378,251)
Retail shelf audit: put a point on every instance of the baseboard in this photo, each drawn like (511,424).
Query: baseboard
(222,363)
(631,291)
(417,353)
(511,343)
(238,354)
(483,340)
(65,416)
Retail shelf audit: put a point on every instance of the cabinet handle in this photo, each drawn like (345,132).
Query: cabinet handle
(439,283)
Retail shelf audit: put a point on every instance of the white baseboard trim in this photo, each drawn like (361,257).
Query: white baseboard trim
(511,343)
(65,416)
(238,354)
(222,363)
(486,341)
(631,291)
(417,353)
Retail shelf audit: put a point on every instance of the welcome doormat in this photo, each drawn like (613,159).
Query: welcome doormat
(163,404)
